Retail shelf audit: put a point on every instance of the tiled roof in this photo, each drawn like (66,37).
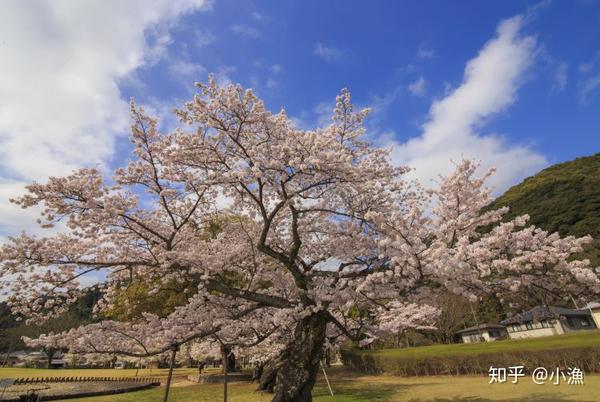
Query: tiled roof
(593,305)
(482,326)
(542,313)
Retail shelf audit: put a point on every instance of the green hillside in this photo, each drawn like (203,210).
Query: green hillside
(11,329)
(564,198)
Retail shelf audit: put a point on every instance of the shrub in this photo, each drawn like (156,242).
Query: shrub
(586,358)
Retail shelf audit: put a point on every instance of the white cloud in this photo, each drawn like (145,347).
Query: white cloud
(561,76)
(272,84)
(203,38)
(223,75)
(418,87)
(328,53)
(245,30)
(585,68)
(13,219)
(186,72)
(62,62)
(452,130)
(424,52)
(587,87)
(322,113)
(164,111)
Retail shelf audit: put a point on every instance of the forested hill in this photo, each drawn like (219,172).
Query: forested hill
(564,198)
(11,329)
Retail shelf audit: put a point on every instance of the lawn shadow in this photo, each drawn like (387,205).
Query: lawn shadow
(375,392)
(346,387)
(528,398)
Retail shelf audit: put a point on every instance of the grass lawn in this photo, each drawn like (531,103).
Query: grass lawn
(579,339)
(352,387)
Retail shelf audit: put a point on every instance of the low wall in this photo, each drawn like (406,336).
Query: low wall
(218,378)
(55,388)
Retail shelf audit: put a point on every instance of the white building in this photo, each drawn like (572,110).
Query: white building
(594,309)
(548,321)
(483,333)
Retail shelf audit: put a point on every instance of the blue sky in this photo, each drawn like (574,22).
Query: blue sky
(514,83)
(384,47)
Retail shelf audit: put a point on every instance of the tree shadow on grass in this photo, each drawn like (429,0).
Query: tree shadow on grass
(349,391)
(529,398)
(351,386)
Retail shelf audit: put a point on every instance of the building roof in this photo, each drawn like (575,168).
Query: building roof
(481,327)
(593,305)
(540,313)
(17,354)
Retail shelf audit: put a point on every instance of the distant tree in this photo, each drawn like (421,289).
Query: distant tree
(455,314)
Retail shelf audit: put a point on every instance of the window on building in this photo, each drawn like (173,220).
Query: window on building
(475,338)
(529,325)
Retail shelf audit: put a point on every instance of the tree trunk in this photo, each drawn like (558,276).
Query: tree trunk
(268,374)
(227,358)
(170,376)
(257,372)
(231,362)
(50,354)
(298,364)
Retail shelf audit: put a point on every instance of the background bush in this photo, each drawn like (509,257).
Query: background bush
(581,350)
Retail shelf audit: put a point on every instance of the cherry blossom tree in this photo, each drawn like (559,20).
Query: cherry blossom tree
(50,344)
(395,317)
(319,225)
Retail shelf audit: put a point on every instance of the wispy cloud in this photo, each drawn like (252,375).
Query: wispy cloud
(245,30)
(424,52)
(585,68)
(203,38)
(588,86)
(322,113)
(418,87)
(266,78)
(328,53)
(589,79)
(453,128)
(223,75)
(561,76)
(186,72)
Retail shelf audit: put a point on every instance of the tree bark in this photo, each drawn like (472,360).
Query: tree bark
(268,375)
(227,358)
(170,376)
(50,356)
(257,372)
(298,364)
